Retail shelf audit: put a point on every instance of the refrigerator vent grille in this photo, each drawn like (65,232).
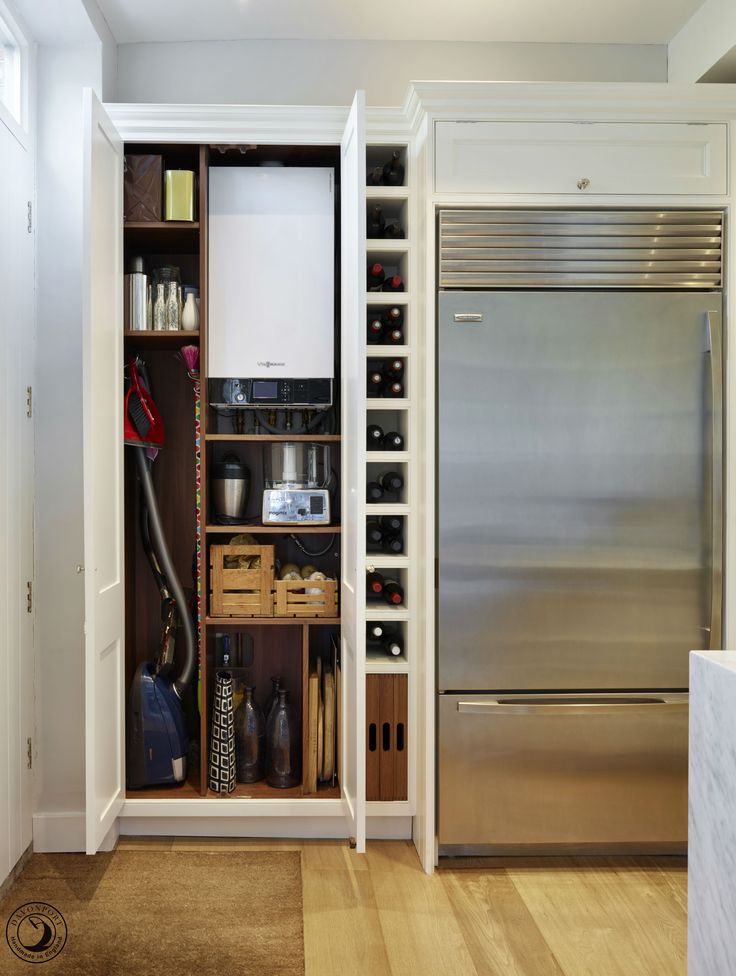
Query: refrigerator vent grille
(581,249)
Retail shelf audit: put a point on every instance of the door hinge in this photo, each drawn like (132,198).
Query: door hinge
(29,401)
(30,217)
(29,596)
(29,752)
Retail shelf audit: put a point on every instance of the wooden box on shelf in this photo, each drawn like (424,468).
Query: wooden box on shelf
(305,598)
(241,592)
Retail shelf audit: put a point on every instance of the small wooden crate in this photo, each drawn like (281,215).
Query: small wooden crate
(291,599)
(241,592)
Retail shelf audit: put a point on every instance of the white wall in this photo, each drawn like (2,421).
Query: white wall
(62,73)
(328,72)
(706,38)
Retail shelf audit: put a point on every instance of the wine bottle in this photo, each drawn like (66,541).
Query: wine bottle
(392,592)
(373,492)
(392,524)
(393,389)
(393,283)
(375,329)
(373,533)
(393,170)
(374,632)
(393,316)
(394,337)
(393,441)
(375,176)
(374,583)
(375,221)
(393,646)
(376,276)
(393,369)
(392,229)
(375,383)
(391,481)
(392,544)
(375,437)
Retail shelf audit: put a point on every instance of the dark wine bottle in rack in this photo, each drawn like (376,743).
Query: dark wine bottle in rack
(374,583)
(375,438)
(376,327)
(373,492)
(392,283)
(391,481)
(374,534)
(393,369)
(392,230)
(393,170)
(374,631)
(376,276)
(393,316)
(393,646)
(374,176)
(393,441)
(391,523)
(375,221)
(375,383)
(393,592)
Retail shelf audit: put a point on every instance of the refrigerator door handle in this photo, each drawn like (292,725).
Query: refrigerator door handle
(539,705)
(715,350)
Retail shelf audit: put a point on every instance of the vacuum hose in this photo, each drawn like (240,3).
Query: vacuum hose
(167,566)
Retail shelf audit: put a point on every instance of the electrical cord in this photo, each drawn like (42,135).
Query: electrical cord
(307,552)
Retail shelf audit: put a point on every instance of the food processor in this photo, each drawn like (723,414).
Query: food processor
(295,478)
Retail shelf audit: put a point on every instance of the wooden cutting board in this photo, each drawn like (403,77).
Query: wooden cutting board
(328,696)
(320,733)
(310,780)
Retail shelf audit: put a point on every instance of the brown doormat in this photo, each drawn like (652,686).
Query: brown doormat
(135,913)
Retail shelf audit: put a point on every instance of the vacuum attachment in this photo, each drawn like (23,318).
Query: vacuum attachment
(142,423)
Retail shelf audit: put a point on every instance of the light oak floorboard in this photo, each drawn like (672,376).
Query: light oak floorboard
(615,920)
(419,926)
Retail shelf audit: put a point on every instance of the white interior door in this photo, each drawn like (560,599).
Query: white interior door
(103,473)
(16,499)
(352,245)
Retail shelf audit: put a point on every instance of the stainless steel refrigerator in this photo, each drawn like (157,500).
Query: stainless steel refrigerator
(579,542)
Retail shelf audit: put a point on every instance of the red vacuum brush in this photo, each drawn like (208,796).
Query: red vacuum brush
(142,424)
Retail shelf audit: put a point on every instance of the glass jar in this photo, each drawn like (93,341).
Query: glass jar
(282,745)
(250,740)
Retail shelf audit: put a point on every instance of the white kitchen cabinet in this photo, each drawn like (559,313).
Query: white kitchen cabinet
(579,158)
(108,806)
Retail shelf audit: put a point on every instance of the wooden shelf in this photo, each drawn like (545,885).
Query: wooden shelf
(162,340)
(389,244)
(262,791)
(278,529)
(273,621)
(387,193)
(383,664)
(269,438)
(161,226)
(386,297)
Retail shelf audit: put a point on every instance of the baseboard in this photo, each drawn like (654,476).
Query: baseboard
(55,833)
(15,871)
(282,828)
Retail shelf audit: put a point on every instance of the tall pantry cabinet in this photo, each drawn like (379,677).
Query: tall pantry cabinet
(347,809)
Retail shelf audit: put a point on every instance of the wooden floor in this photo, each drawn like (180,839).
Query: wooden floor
(378,914)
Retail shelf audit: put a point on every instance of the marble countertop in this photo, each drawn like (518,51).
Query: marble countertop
(712,826)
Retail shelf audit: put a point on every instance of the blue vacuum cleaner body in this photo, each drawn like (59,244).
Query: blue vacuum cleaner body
(157,736)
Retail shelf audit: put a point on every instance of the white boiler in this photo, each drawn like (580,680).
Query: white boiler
(271,237)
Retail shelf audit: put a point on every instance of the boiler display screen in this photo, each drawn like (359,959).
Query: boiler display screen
(265,389)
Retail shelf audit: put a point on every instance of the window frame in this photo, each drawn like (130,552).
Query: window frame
(14,111)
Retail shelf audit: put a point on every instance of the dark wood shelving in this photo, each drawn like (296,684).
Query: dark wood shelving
(268,438)
(272,621)
(162,340)
(278,529)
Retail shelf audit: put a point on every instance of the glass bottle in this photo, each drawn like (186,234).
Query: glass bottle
(173,311)
(282,746)
(159,309)
(250,740)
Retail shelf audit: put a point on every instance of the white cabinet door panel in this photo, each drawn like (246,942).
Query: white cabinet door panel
(353,220)
(559,157)
(103,474)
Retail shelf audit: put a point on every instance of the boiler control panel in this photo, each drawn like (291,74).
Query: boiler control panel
(314,394)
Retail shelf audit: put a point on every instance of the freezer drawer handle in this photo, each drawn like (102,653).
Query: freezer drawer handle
(581,706)
(468,317)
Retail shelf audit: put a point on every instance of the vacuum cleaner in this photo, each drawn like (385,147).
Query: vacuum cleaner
(157,742)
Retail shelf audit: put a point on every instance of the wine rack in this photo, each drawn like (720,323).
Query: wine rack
(395,252)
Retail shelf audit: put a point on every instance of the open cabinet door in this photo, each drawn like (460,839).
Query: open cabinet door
(352,245)
(103,473)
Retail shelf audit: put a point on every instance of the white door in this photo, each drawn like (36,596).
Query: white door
(352,245)
(16,499)
(103,473)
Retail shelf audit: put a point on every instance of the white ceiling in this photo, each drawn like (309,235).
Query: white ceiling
(581,21)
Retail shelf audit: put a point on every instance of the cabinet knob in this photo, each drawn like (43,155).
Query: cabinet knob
(583,183)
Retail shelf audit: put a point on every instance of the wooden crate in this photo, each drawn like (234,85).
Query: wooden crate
(291,599)
(241,592)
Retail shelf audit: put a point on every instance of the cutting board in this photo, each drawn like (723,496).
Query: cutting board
(310,781)
(328,697)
